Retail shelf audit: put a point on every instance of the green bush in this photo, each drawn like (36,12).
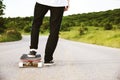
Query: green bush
(45,27)
(10,35)
(13,35)
(27,29)
(65,26)
(108,26)
(83,30)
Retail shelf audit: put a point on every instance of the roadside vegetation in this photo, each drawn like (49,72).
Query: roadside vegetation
(101,28)
(10,35)
(7,32)
(94,35)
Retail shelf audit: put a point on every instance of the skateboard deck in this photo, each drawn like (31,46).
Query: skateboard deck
(26,61)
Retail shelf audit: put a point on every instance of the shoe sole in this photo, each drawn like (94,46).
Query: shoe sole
(31,56)
(48,64)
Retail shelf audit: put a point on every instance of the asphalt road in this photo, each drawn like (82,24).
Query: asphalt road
(74,61)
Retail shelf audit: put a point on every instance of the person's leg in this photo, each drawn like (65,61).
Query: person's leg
(39,12)
(55,22)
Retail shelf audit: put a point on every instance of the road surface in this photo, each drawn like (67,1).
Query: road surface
(74,61)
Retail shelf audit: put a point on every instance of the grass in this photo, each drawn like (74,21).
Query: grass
(99,36)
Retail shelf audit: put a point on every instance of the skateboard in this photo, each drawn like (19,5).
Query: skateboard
(26,61)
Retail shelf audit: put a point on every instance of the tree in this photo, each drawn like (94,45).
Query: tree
(2,7)
(2,26)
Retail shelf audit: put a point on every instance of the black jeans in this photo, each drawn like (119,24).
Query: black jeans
(56,14)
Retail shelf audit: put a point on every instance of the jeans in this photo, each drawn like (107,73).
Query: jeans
(56,14)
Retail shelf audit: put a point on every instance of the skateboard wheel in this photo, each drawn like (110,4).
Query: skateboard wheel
(40,64)
(21,64)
